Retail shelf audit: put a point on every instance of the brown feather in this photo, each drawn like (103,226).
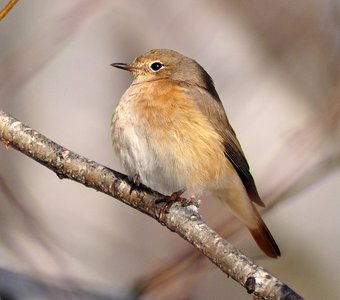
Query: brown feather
(234,152)
(211,106)
(263,237)
(238,200)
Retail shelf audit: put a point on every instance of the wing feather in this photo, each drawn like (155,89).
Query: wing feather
(211,106)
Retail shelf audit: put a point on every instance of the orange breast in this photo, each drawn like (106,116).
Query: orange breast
(185,144)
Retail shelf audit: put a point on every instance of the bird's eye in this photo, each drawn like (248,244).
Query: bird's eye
(156,66)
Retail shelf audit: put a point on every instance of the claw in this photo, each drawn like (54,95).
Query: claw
(169,200)
(194,201)
(5,143)
(176,196)
(135,183)
(136,180)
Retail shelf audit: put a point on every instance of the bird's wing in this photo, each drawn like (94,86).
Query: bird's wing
(211,106)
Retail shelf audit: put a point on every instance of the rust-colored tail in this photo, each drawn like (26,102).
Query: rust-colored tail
(263,237)
(246,211)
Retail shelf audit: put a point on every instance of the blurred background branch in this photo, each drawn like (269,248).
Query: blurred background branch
(7,8)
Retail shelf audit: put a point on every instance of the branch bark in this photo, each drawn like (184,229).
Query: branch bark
(185,221)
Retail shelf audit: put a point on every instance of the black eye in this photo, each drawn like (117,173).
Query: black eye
(155,66)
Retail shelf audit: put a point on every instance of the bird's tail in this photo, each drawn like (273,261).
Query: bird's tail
(245,210)
(263,237)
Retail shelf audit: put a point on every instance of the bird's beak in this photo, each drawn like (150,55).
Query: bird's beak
(123,66)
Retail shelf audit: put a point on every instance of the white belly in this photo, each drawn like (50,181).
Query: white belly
(131,141)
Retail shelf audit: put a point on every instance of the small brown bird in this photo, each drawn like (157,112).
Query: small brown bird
(170,129)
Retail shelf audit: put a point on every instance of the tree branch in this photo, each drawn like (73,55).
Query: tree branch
(185,221)
(7,8)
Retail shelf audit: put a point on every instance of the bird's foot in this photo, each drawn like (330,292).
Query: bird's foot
(169,200)
(136,180)
(5,142)
(176,197)
(194,201)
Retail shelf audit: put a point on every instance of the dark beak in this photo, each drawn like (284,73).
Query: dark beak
(122,66)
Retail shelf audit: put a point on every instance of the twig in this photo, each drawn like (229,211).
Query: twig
(185,221)
(7,8)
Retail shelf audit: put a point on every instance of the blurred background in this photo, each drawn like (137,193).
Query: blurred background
(276,66)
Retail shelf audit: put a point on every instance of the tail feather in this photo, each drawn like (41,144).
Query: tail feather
(264,238)
(246,211)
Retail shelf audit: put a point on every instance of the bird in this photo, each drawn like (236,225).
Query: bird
(170,130)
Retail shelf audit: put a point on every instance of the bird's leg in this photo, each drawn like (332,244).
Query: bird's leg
(136,180)
(135,183)
(5,143)
(168,201)
(194,201)
(176,197)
